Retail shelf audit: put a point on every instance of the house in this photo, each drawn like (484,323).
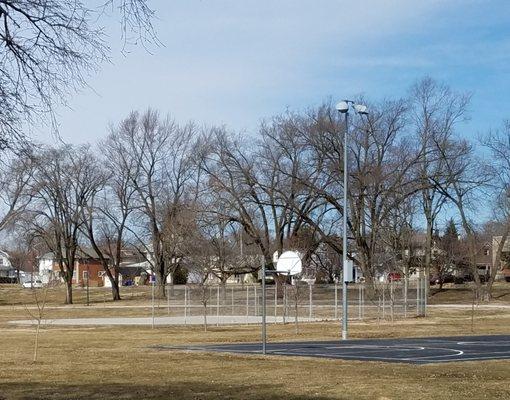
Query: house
(87,268)
(504,264)
(135,266)
(484,259)
(7,272)
(46,270)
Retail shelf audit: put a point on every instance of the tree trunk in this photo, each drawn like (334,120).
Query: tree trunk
(223,287)
(69,291)
(280,281)
(115,290)
(114,280)
(36,344)
(160,291)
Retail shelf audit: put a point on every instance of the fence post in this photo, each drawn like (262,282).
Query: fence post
(359,301)
(378,309)
(406,284)
(185,305)
(168,300)
(153,283)
(275,301)
(384,301)
(284,302)
(425,296)
(336,301)
(232,310)
(218,305)
(247,303)
(362,300)
(392,304)
(310,300)
(418,297)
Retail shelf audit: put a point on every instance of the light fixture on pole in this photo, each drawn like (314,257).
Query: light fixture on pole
(343,108)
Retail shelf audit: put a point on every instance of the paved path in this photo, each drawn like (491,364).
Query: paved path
(413,350)
(162,321)
(100,306)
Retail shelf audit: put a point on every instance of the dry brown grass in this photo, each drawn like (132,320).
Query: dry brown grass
(117,363)
(464,294)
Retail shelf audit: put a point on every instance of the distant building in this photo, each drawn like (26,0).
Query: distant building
(87,264)
(484,259)
(504,264)
(7,272)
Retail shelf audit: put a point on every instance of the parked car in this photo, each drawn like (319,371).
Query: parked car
(33,284)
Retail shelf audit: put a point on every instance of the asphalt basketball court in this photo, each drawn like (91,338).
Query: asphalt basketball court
(413,350)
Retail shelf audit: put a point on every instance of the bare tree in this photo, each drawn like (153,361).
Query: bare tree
(16,176)
(106,220)
(451,258)
(48,48)
(65,181)
(468,176)
(251,190)
(398,234)
(436,111)
(37,314)
(327,263)
(200,263)
(381,163)
(227,257)
(159,157)
(498,143)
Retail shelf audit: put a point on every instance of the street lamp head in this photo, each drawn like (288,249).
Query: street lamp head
(342,107)
(361,109)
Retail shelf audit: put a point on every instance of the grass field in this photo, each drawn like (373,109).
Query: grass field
(116,362)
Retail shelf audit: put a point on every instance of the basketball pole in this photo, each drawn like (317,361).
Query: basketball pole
(292,269)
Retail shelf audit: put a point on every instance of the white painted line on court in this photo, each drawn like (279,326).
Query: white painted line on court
(457,353)
(355,357)
(496,342)
(376,347)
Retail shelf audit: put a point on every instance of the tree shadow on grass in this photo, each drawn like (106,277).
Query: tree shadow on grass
(163,388)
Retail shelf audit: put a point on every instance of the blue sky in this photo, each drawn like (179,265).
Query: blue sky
(236,62)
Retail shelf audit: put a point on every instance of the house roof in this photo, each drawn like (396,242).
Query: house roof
(81,253)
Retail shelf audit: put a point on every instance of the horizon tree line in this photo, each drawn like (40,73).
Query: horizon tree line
(189,197)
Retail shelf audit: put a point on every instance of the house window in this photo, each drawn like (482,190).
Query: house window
(85,274)
(486,252)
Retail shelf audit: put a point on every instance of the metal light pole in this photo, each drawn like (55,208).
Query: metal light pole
(343,108)
(345,304)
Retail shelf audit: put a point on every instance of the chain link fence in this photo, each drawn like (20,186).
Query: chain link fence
(306,302)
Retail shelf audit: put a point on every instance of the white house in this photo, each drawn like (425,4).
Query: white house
(6,270)
(46,272)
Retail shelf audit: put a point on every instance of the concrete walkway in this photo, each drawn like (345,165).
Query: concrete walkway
(162,321)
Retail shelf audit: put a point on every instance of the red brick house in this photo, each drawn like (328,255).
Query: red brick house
(87,264)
